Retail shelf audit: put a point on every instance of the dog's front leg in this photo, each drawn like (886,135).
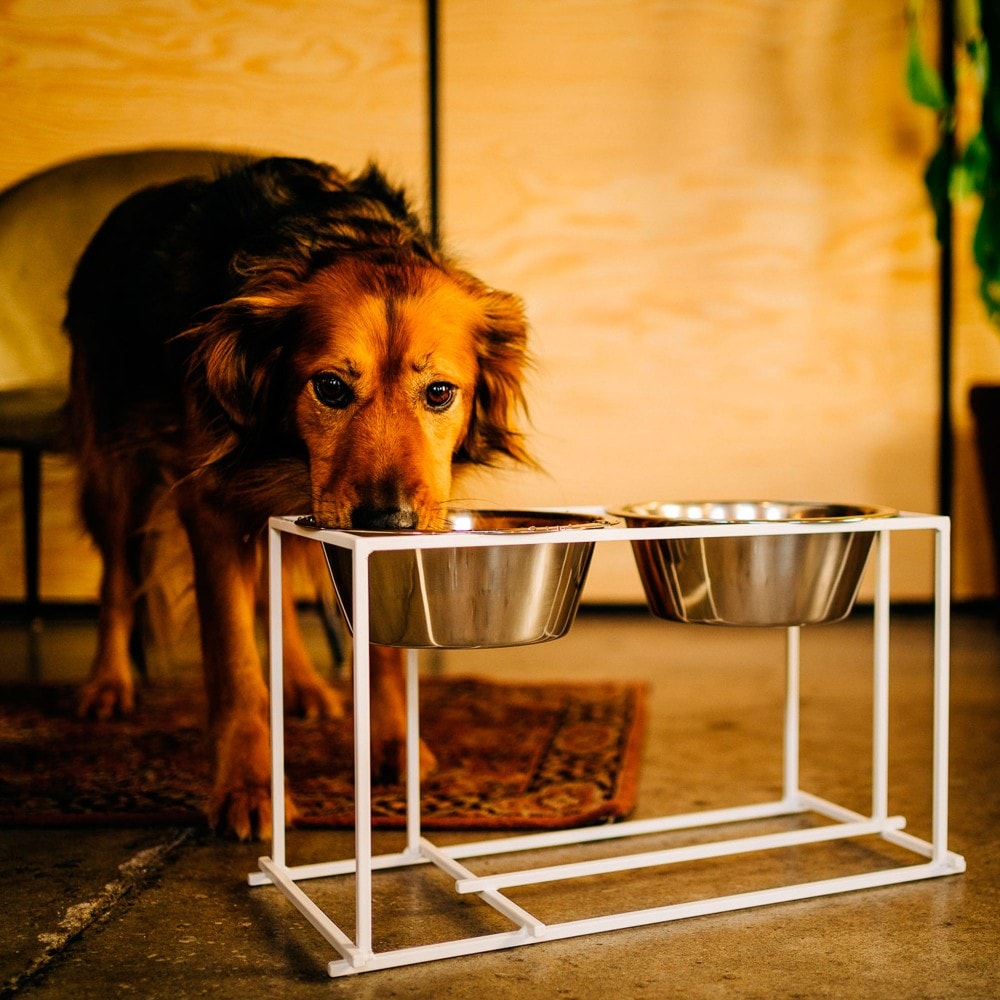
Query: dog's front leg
(109,509)
(306,693)
(225,576)
(388,717)
(110,688)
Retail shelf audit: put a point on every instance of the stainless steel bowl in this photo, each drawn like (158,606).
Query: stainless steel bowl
(471,598)
(799,578)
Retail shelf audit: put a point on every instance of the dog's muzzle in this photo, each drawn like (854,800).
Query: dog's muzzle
(367,518)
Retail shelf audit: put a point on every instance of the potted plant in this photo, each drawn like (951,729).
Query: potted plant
(966,165)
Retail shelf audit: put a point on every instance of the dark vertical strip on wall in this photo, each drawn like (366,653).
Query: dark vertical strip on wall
(433,122)
(946,439)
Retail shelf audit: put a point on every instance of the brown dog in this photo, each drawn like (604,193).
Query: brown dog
(284,339)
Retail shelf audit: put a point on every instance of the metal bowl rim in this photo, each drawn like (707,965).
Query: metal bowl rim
(860,512)
(581,521)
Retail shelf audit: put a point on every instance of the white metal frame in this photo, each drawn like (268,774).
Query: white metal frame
(359,954)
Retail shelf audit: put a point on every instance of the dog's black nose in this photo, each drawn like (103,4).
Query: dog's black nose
(367,518)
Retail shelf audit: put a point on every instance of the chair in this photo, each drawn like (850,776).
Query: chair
(46,221)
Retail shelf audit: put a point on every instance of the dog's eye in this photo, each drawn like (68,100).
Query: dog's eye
(333,391)
(440,395)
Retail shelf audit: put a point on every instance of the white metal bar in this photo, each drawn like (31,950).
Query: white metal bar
(277,687)
(412,751)
(792,700)
(472,539)
(676,855)
(620,831)
(946,862)
(361,957)
(942,642)
(949,863)
(433,952)
(499,902)
(831,809)
(333,869)
(637,918)
(842,814)
(550,838)
(330,931)
(880,695)
(740,901)
(362,758)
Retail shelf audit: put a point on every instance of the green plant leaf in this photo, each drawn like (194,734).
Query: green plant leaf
(969,176)
(922,80)
(937,181)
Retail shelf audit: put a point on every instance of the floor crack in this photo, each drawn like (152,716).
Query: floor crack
(133,873)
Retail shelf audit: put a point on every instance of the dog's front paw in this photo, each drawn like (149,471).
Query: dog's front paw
(106,695)
(389,761)
(312,698)
(240,800)
(246,811)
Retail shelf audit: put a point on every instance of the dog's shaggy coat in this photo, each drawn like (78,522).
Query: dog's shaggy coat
(283,339)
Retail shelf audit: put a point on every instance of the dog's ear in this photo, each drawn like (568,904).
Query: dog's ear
(502,351)
(233,367)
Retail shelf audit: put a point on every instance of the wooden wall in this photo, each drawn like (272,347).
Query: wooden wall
(342,81)
(713,211)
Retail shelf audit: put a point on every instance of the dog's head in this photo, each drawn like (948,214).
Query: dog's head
(400,373)
(384,374)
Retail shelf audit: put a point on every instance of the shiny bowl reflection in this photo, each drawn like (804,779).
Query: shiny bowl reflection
(463,598)
(798,578)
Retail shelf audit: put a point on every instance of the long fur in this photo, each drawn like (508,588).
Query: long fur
(281,339)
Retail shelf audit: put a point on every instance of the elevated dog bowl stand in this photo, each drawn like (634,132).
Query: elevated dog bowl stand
(930,858)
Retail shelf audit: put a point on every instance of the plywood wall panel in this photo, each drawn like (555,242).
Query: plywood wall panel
(719,228)
(713,211)
(341,81)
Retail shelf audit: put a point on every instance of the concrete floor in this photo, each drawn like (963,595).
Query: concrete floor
(168,913)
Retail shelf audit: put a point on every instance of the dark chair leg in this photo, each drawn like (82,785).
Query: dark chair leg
(31,499)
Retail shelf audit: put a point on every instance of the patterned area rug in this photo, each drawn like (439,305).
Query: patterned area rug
(514,756)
